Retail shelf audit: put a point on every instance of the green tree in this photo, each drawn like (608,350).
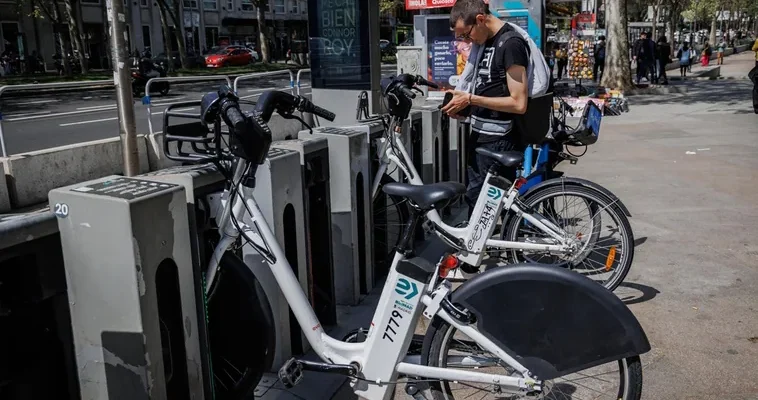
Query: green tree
(173,9)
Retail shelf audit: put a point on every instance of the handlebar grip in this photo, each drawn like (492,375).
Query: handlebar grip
(323,113)
(406,92)
(232,115)
(422,81)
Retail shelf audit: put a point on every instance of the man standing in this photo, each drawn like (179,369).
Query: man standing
(644,54)
(500,89)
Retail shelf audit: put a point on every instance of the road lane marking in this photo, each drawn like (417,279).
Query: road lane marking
(38,113)
(60,114)
(170,101)
(89,122)
(273,88)
(251,95)
(179,110)
(37,102)
(96,107)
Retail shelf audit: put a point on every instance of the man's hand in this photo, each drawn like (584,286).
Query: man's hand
(459,101)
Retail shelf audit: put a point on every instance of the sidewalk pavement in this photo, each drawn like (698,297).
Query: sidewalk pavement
(685,165)
(735,66)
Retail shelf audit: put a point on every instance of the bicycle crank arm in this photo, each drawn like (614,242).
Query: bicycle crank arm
(291,373)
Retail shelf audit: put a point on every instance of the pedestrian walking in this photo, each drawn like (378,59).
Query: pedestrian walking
(644,55)
(664,57)
(561,55)
(693,58)
(705,55)
(720,53)
(599,67)
(683,54)
(754,77)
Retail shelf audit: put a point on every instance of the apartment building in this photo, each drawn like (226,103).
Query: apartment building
(207,23)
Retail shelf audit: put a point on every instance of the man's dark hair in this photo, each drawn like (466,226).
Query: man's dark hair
(467,10)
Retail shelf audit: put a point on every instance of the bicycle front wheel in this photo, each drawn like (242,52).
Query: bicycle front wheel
(604,238)
(240,330)
(449,348)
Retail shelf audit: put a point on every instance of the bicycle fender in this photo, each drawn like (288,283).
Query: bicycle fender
(581,182)
(553,321)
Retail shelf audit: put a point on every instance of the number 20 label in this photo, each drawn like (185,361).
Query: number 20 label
(61,210)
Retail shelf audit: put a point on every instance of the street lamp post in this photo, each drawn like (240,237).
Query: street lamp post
(122,81)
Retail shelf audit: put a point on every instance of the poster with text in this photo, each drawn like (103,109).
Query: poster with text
(446,56)
(339,44)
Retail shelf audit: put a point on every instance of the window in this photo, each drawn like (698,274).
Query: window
(146,37)
(230,5)
(90,1)
(210,5)
(247,5)
(303,7)
(144,3)
(211,37)
(294,7)
(279,7)
(191,4)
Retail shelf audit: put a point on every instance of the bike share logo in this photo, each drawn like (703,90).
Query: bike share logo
(494,193)
(406,288)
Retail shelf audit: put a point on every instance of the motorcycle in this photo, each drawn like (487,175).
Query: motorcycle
(146,71)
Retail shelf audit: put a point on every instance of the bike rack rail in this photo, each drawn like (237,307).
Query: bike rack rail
(265,74)
(38,86)
(297,81)
(204,78)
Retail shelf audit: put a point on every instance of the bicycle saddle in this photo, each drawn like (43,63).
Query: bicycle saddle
(506,158)
(426,197)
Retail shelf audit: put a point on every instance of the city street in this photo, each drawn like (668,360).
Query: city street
(58,119)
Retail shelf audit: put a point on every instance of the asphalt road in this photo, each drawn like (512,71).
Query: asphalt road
(64,118)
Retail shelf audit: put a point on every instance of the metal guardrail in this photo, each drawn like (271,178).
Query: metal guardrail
(38,86)
(264,74)
(146,99)
(297,81)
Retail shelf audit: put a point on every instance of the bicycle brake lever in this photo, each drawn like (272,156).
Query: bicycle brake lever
(418,90)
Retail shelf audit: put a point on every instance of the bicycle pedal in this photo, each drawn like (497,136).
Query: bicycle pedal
(291,373)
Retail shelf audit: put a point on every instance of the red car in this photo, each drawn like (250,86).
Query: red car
(227,56)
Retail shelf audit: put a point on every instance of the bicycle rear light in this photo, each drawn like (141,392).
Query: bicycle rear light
(449,262)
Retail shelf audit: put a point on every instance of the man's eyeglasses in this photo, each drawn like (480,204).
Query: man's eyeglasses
(467,35)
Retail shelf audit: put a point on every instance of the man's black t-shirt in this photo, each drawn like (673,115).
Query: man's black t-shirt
(499,54)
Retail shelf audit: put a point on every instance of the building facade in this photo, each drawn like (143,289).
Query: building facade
(207,23)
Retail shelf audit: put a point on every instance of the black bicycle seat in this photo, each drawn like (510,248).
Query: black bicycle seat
(506,158)
(426,197)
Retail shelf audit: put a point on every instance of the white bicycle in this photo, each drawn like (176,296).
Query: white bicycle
(570,222)
(509,332)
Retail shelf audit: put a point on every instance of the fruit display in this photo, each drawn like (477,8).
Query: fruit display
(581,58)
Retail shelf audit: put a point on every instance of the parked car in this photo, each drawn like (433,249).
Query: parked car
(229,56)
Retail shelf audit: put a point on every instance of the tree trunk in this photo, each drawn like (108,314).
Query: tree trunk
(166,37)
(265,51)
(617,73)
(76,38)
(712,37)
(178,18)
(654,31)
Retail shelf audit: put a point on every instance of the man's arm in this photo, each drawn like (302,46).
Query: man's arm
(516,102)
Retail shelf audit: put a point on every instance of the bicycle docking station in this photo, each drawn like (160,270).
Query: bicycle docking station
(314,165)
(279,193)
(431,143)
(350,185)
(128,258)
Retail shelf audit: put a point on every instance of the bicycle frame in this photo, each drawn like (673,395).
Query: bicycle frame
(395,319)
(449,233)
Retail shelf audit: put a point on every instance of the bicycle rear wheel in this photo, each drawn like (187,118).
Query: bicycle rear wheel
(240,329)
(621,379)
(601,228)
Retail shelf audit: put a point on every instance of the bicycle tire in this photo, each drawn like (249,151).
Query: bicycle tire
(401,209)
(510,232)
(240,329)
(439,333)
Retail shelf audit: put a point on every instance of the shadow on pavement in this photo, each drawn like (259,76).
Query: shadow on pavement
(722,92)
(640,241)
(635,293)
